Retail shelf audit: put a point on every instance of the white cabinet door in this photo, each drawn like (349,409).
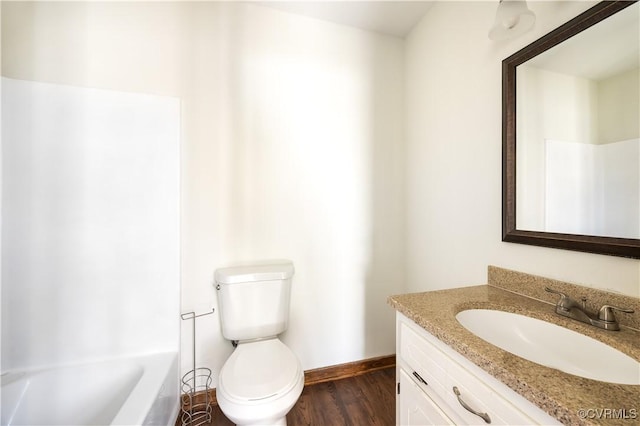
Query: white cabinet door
(416,408)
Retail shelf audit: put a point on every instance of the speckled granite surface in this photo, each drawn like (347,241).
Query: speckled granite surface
(560,394)
(533,286)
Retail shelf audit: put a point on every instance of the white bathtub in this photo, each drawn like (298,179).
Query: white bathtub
(140,390)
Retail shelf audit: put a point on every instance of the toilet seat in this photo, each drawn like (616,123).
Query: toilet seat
(259,372)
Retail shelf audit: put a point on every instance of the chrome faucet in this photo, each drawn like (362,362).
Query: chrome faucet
(570,308)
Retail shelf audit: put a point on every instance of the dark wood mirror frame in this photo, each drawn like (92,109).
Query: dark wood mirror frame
(625,247)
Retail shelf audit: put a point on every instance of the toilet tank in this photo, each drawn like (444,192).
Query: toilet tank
(254,299)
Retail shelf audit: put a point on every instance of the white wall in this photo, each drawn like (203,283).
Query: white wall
(621,187)
(619,107)
(454,156)
(572,190)
(592,189)
(554,106)
(292,147)
(91,216)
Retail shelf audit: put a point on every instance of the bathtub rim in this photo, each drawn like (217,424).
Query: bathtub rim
(160,369)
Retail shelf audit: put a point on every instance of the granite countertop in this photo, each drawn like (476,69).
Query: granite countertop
(559,394)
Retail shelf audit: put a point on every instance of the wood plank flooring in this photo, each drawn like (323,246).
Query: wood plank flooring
(367,399)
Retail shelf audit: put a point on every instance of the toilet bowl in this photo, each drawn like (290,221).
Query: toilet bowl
(262,379)
(260,383)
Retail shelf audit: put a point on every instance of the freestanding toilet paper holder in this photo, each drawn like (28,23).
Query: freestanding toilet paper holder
(196,400)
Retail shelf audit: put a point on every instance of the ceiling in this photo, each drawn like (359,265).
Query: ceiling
(396,18)
(608,48)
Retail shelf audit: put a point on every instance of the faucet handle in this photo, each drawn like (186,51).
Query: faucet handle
(563,298)
(550,290)
(606,312)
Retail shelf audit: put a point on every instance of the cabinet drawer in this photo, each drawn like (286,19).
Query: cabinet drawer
(424,358)
(415,407)
(481,398)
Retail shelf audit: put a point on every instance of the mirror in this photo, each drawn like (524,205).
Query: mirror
(571,135)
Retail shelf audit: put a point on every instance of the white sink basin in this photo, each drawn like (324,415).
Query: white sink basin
(551,345)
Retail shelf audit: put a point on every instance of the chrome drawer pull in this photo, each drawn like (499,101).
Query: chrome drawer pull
(484,416)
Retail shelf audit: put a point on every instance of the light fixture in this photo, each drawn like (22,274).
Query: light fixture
(513,18)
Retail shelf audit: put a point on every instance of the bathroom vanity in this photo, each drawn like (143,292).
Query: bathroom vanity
(436,385)
(448,375)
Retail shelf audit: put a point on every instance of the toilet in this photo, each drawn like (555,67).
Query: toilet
(262,379)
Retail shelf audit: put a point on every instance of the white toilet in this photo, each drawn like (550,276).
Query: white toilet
(262,379)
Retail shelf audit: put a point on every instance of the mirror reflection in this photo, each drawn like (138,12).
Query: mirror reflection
(578,133)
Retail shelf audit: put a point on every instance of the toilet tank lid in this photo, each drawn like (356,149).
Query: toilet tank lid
(267,270)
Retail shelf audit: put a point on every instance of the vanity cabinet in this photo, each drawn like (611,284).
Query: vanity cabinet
(416,407)
(435,383)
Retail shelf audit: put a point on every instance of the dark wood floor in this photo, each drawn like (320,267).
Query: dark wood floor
(368,399)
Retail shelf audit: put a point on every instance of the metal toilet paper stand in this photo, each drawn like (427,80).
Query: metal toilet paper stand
(196,400)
